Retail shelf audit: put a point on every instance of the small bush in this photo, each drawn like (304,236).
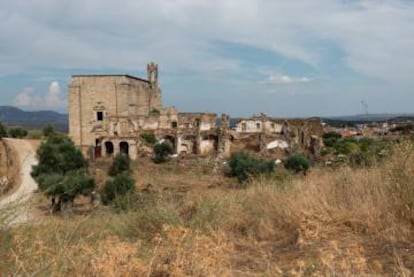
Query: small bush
(347,147)
(154,111)
(331,138)
(161,152)
(242,166)
(297,162)
(18,133)
(48,130)
(120,164)
(34,134)
(149,138)
(119,186)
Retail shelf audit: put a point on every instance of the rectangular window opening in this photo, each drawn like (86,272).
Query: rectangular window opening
(99,116)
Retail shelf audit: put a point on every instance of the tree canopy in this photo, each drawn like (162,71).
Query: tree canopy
(62,170)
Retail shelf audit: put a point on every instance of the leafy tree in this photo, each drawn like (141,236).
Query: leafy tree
(3,131)
(58,155)
(297,162)
(116,187)
(120,164)
(242,166)
(70,185)
(161,152)
(18,133)
(61,171)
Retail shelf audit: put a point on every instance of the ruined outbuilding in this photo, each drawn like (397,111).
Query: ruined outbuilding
(262,133)
(109,114)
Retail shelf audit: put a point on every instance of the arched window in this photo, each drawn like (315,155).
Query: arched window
(124,147)
(109,148)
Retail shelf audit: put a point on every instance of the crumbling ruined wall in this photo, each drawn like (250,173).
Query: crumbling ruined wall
(260,133)
(108,114)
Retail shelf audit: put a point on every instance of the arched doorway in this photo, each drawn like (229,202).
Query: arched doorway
(109,148)
(124,147)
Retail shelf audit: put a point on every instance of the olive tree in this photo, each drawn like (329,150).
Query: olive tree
(61,171)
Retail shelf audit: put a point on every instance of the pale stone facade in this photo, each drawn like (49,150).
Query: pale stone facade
(303,134)
(108,114)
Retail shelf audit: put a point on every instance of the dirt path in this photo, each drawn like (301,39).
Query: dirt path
(13,208)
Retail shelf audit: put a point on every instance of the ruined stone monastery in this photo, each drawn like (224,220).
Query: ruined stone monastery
(109,113)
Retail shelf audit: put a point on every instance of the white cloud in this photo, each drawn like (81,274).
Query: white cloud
(25,97)
(28,98)
(284,79)
(52,97)
(376,37)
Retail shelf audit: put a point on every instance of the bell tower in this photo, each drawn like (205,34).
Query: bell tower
(154,97)
(152,74)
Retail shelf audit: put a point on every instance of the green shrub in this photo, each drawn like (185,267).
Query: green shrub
(116,187)
(17,132)
(297,162)
(243,166)
(3,131)
(120,164)
(331,138)
(48,130)
(34,134)
(154,111)
(161,152)
(347,147)
(149,138)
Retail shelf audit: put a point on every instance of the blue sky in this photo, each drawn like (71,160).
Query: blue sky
(284,58)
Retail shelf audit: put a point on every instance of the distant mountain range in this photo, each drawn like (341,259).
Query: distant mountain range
(366,118)
(370,117)
(12,116)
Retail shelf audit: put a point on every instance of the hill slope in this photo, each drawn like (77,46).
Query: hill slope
(32,119)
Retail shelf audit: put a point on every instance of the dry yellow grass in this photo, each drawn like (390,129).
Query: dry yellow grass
(342,222)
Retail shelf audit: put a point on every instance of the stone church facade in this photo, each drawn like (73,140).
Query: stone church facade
(109,113)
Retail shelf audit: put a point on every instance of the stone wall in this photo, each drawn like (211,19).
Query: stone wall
(95,98)
(108,114)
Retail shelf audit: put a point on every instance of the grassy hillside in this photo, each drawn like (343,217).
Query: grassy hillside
(343,222)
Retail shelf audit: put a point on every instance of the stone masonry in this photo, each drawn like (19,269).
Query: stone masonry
(109,113)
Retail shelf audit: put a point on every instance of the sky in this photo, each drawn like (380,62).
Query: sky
(295,58)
